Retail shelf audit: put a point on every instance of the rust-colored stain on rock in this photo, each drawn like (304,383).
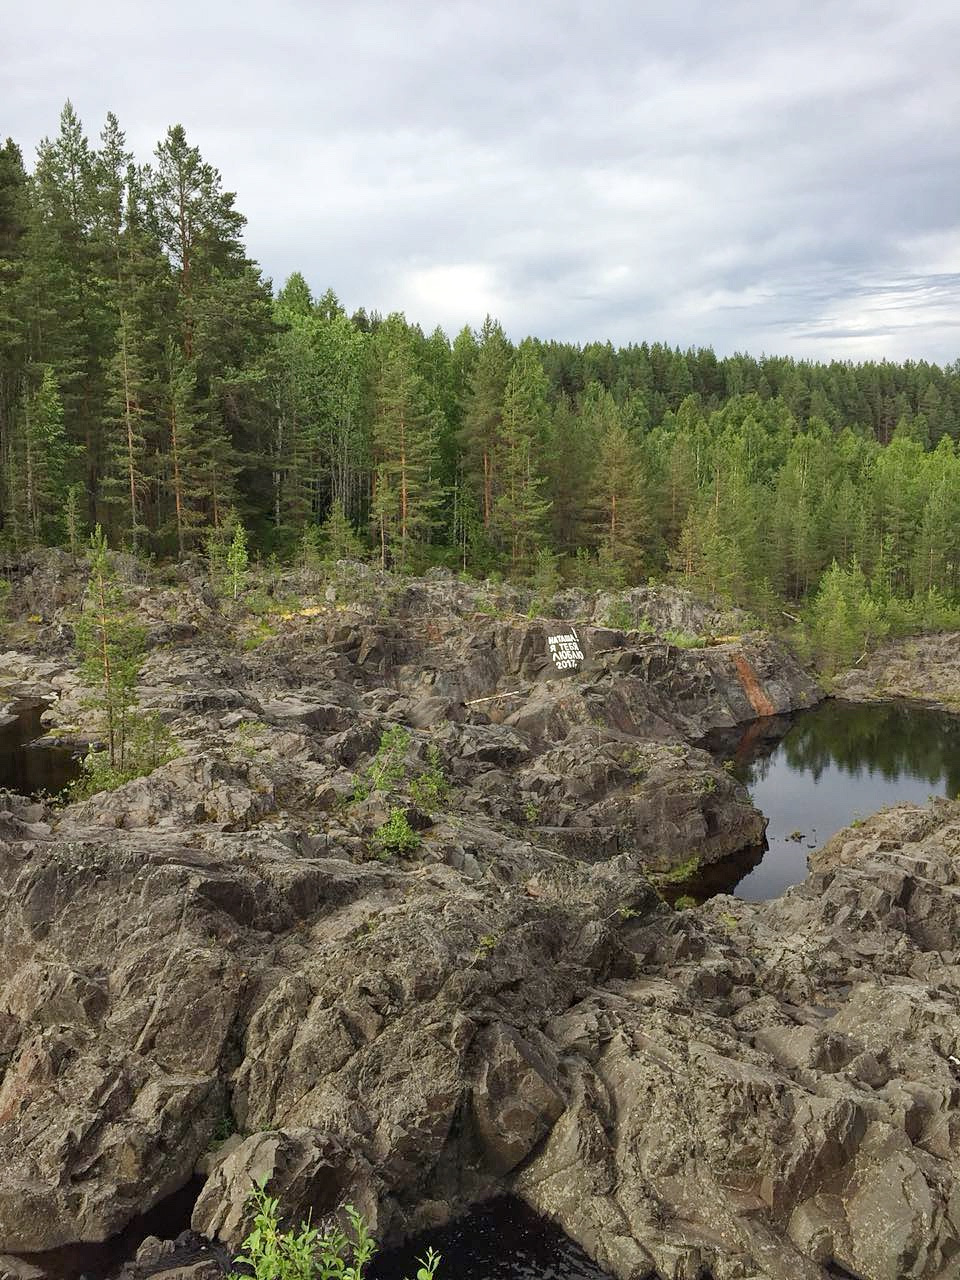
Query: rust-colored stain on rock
(751,687)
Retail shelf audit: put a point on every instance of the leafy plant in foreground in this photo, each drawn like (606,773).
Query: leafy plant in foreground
(306,1253)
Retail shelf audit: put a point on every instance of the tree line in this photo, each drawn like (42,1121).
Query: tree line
(153,383)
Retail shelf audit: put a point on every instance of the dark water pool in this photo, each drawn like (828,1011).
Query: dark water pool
(503,1238)
(28,767)
(816,772)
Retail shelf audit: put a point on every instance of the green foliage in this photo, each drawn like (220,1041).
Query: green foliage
(237,560)
(149,380)
(73,520)
(583,572)
(430,790)
(271,1253)
(111,645)
(387,770)
(844,619)
(682,872)
(340,538)
(225,1128)
(685,902)
(246,737)
(545,581)
(395,836)
(619,615)
(216,544)
(149,744)
(684,640)
(310,551)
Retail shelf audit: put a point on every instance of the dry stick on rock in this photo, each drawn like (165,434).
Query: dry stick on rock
(513,693)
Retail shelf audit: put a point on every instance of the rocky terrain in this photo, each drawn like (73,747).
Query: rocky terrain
(217,968)
(922,669)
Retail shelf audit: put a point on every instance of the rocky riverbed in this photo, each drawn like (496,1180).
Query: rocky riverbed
(748,1090)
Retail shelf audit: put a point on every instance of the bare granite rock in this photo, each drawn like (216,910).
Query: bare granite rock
(923,669)
(760,1090)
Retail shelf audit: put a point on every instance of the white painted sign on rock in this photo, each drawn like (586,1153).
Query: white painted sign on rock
(565,651)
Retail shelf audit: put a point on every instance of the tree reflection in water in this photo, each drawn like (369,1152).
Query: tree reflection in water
(816,772)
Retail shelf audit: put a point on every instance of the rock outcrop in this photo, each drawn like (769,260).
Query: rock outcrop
(763,1090)
(924,669)
(754,1089)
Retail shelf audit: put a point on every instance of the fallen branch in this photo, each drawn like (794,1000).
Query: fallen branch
(493,697)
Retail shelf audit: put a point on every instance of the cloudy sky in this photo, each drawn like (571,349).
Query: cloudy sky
(765,176)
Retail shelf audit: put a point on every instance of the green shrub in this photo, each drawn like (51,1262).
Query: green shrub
(387,769)
(619,615)
(431,789)
(545,582)
(149,744)
(388,772)
(396,835)
(237,560)
(307,1254)
(682,872)
(684,640)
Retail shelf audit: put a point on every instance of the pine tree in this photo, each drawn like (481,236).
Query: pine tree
(569,454)
(185,480)
(237,560)
(127,254)
(38,462)
(617,501)
(223,320)
(518,518)
(14,216)
(340,539)
(405,451)
(483,409)
(111,646)
(69,323)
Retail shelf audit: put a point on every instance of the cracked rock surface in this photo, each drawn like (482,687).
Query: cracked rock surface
(758,1090)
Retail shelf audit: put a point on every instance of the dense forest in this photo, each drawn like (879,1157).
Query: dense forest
(151,381)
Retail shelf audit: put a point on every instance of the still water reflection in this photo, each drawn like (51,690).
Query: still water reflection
(27,767)
(817,772)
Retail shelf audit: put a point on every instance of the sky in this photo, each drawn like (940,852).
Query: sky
(772,176)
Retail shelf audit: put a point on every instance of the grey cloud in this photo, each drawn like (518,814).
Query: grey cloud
(777,178)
